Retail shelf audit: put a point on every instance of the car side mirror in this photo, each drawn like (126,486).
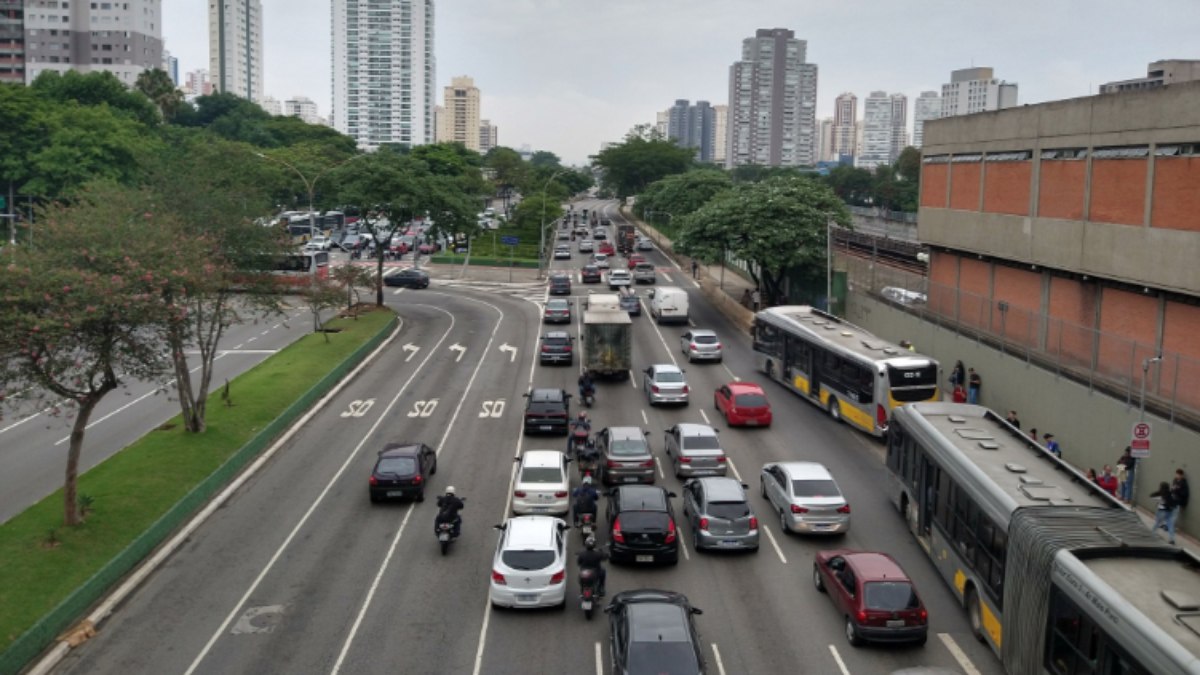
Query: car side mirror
(697,610)
(568,460)
(745,487)
(498,527)
(526,394)
(646,433)
(672,495)
(517,458)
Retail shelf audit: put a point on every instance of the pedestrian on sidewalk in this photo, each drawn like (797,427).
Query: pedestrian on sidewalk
(1051,444)
(695,267)
(974,384)
(1013,419)
(1163,514)
(1107,481)
(1126,466)
(746,300)
(1091,476)
(960,394)
(958,375)
(1180,493)
(756,298)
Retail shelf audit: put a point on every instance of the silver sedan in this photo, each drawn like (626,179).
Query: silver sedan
(807,498)
(665,383)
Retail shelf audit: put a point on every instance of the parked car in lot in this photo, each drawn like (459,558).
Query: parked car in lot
(402,471)
(547,411)
(562,252)
(619,279)
(590,274)
(743,404)
(643,273)
(719,513)
(631,303)
(560,283)
(641,525)
(875,598)
(651,631)
(542,483)
(409,277)
(664,383)
(695,450)
(625,455)
(530,566)
(701,344)
(557,310)
(586,246)
(558,346)
(806,497)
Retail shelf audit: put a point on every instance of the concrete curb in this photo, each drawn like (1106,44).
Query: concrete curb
(223,482)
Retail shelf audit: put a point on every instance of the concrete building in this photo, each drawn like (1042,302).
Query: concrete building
(928,106)
(489,136)
(845,126)
(271,105)
(691,126)
(772,102)
(899,131)
(171,65)
(973,90)
(1158,74)
(123,38)
(877,131)
(383,80)
(720,133)
(662,122)
(825,151)
(458,119)
(302,107)
(12,41)
(235,47)
(197,83)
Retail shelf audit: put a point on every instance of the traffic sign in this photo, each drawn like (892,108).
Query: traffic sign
(508,240)
(1139,444)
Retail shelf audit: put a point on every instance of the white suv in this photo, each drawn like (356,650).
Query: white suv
(530,568)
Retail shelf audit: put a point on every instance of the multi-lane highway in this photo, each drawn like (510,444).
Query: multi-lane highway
(34,436)
(299,572)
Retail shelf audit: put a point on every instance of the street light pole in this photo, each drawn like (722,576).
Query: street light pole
(542,229)
(829,266)
(1141,419)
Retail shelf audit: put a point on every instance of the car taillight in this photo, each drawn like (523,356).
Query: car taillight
(753,523)
(558,577)
(693,346)
(881,417)
(685,389)
(654,388)
(798,509)
(498,578)
(722,459)
(417,479)
(610,464)
(844,508)
(560,494)
(374,480)
(617,535)
(704,523)
(567,348)
(519,494)
(685,460)
(545,348)
(861,616)
(717,346)
(922,615)
(648,464)
(670,531)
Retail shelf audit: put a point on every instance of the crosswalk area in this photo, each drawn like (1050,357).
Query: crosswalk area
(533,291)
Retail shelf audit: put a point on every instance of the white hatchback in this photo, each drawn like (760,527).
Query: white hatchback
(542,483)
(530,568)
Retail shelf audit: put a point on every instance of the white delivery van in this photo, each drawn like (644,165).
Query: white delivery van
(669,304)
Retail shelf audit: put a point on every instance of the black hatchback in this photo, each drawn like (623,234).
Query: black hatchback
(641,525)
(408,278)
(401,471)
(652,631)
(547,411)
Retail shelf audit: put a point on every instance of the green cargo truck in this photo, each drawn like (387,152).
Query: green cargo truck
(607,342)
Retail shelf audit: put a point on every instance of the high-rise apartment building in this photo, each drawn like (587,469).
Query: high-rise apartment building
(845,126)
(271,105)
(877,131)
(302,107)
(1158,74)
(459,121)
(720,133)
(12,41)
(662,121)
(692,127)
(383,80)
(928,106)
(973,90)
(825,141)
(197,83)
(171,65)
(899,133)
(489,136)
(235,47)
(123,38)
(772,102)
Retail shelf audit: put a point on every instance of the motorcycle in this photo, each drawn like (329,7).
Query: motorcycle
(587,525)
(446,532)
(589,397)
(587,591)
(579,441)
(589,461)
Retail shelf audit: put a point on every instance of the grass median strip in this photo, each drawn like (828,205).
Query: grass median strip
(44,561)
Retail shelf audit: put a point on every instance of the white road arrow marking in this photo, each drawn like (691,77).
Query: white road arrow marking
(460,349)
(512,352)
(412,349)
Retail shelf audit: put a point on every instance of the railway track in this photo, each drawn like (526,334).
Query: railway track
(897,254)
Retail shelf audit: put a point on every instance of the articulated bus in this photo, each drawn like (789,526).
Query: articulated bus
(1056,575)
(840,367)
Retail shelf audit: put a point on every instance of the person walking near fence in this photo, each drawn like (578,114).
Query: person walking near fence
(1179,494)
(695,267)
(958,376)
(1126,466)
(1107,481)
(1013,419)
(1051,444)
(756,299)
(746,300)
(974,384)
(1163,515)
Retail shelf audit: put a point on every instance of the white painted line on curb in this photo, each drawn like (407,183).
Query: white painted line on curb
(682,543)
(705,416)
(599,661)
(733,468)
(771,537)
(658,464)
(735,377)
(958,654)
(717,656)
(645,420)
(838,657)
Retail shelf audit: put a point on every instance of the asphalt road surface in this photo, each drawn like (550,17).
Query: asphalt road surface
(299,572)
(34,437)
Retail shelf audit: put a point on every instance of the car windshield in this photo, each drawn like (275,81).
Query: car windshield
(728,510)
(556,341)
(400,466)
(528,560)
(751,400)
(541,474)
(815,488)
(657,623)
(705,339)
(633,446)
(668,376)
(890,596)
(701,443)
(557,305)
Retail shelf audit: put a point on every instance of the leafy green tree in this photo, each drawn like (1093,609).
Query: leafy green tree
(95,89)
(157,86)
(507,168)
(854,185)
(288,131)
(545,159)
(536,209)
(908,165)
(683,193)
(86,312)
(25,127)
(448,159)
(630,166)
(778,225)
(86,143)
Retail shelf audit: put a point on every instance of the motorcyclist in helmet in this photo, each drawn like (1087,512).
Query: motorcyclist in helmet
(580,427)
(590,558)
(448,507)
(585,498)
(587,386)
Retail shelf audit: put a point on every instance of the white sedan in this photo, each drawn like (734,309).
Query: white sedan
(530,567)
(619,279)
(542,484)
(600,260)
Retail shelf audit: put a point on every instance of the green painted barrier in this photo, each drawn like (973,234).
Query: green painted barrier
(32,642)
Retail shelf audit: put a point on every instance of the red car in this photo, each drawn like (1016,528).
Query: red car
(743,403)
(606,248)
(876,599)
(634,259)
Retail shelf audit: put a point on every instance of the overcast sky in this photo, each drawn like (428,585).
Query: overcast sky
(567,75)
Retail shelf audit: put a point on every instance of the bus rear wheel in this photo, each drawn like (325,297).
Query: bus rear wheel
(835,409)
(974,614)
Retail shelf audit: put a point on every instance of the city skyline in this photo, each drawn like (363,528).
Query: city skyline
(606,92)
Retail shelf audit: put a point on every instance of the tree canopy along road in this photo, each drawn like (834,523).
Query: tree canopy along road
(300,572)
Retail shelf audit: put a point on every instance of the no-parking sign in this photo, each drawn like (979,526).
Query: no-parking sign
(1139,443)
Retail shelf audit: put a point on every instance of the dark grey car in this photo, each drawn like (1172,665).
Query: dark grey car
(625,455)
(695,450)
(719,514)
(557,347)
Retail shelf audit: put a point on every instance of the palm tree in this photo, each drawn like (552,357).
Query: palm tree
(156,84)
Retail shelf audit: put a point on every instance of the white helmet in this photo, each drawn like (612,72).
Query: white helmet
(590,542)
(587,480)
(449,489)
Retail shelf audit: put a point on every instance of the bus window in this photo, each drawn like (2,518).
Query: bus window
(768,339)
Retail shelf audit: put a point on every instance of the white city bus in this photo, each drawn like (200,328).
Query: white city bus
(852,374)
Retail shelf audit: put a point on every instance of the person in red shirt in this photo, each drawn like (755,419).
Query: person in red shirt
(960,394)
(1107,481)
